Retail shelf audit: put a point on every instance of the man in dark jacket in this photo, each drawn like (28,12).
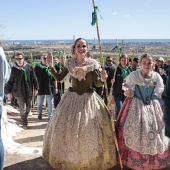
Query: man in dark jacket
(23,85)
(46,86)
(60,85)
(109,67)
(166,99)
(161,68)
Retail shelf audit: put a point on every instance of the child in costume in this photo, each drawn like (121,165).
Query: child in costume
(79,134)
(140,126)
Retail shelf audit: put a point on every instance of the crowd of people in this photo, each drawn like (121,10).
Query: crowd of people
(79,134)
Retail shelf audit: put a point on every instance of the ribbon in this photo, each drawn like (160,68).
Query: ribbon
(115,48)
(120,49)
(94,15)
(94,48)
(25,75)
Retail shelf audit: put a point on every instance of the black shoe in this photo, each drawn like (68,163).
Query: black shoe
(40,116)
(25,127)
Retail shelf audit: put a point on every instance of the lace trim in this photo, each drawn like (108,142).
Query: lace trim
(136,78)
(80,72)
(144,128)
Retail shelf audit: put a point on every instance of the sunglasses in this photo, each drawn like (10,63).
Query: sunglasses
(109,60)
(18,58)
(45,58)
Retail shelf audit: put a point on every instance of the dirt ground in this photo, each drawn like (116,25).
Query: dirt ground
(32,137)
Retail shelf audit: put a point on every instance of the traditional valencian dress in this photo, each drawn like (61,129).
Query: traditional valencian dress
(140,126)
(79,134)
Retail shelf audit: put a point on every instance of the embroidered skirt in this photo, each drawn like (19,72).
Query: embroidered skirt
(140,134)
(79,134)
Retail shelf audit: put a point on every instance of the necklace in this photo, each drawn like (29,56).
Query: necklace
(145,76)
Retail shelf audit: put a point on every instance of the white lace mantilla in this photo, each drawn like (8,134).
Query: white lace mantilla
(136,78)
(80,72)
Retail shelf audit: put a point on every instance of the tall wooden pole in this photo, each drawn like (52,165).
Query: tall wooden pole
(98,35)
(73,39)
(105,84)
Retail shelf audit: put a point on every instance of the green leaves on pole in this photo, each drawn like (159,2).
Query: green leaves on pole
(121,51)
(94,15)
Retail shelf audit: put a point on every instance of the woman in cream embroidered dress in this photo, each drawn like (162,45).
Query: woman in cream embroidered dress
(140,126)
(79,134)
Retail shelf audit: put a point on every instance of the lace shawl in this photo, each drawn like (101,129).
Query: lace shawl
(136,78)
(80,72)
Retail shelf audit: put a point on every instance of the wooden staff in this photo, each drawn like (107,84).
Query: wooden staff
(73,39)
(93,46)
(112,119)
(100,48)
(61,82)
(64,47)
(105,84)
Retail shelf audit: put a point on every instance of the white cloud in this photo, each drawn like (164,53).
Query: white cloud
(114,13)
(127,15)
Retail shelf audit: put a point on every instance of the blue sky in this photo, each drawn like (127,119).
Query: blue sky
(61,19)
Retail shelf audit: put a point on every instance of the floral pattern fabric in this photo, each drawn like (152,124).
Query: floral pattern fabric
(140,134)
(80,137)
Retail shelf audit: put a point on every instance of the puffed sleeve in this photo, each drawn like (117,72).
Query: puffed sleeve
(97,78)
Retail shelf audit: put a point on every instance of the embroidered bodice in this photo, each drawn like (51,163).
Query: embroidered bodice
(147,93)
(81,77)
(146,85)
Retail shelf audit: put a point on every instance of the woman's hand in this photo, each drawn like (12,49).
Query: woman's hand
(126,90)
(55,91)
(35,92)
(50,59)
(113,80)
(103,75)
